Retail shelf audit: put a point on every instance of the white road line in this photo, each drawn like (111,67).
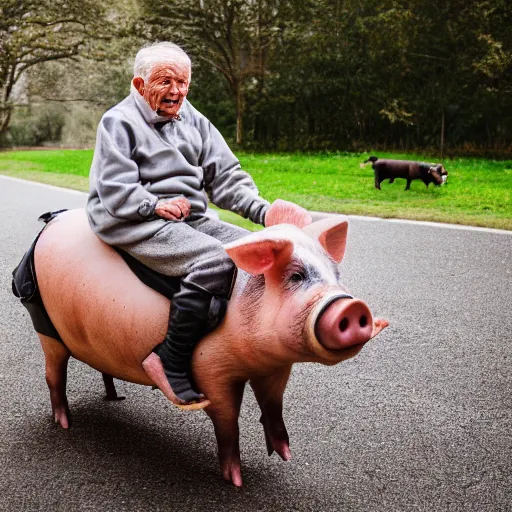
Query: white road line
(357,217)
(52,187)
(434,224)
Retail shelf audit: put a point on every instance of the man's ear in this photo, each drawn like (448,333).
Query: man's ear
(138,83)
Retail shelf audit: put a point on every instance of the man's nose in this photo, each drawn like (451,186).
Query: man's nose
(173,88)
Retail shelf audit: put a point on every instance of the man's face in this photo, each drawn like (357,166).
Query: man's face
(166,88)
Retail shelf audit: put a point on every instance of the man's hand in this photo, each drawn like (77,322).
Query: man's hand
(177,208)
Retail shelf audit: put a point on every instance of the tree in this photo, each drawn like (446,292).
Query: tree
(282,74)
(459,56)
(37,31)
(236,37)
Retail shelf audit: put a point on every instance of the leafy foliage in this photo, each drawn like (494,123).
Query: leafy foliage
(286,74)
(35,32)
(353,73)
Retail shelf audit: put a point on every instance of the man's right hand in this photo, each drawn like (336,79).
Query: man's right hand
(177,208)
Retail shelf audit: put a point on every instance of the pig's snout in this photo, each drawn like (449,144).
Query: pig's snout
(343,324)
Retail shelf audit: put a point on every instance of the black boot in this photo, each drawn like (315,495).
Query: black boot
(197,308)
(188,320)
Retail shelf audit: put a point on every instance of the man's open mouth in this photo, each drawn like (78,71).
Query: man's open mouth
(170,102)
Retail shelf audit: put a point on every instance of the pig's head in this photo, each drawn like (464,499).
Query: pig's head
(435,174)
(291,301)
(442,171)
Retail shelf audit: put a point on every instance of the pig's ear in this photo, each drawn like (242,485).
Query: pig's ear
(284,212)
(258,254)
(331,232)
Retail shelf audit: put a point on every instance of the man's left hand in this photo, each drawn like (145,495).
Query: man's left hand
(177,208)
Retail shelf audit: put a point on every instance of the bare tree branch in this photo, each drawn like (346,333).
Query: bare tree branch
(36,32)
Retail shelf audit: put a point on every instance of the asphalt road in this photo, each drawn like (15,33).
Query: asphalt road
(420,420)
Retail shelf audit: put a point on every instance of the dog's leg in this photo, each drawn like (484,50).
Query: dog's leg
(377,181)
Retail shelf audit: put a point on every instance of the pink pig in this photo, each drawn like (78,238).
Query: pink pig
(287,306)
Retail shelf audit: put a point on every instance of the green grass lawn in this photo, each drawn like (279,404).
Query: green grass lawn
(478,191)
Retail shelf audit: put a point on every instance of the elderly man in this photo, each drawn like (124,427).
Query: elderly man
(156,163)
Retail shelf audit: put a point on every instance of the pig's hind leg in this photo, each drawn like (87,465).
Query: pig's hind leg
(269,391)
(57,355)
(110,388)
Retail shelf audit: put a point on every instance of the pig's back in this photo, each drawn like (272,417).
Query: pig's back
(106,317)
(395,168)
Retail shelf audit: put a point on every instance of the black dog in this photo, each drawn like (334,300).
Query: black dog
(391,169)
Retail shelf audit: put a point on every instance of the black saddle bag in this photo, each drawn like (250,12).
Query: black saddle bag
(24,286)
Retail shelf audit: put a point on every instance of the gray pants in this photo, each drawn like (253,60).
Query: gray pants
(190,250)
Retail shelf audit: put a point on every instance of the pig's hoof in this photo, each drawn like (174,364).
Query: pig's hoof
(276,438)
(61,417)
(284,452)
(232,473)
(282,448)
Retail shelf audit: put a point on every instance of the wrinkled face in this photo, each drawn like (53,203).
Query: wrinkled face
(166,88)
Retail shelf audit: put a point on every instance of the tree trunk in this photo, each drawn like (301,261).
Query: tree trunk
(442,134)
(239,115)
(5,117)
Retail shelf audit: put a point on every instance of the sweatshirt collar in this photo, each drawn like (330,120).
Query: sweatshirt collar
(149,115)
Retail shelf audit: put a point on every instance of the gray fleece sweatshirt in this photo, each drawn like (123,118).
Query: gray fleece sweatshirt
(141,157)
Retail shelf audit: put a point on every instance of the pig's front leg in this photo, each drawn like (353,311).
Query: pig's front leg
(269,392)
(224,411)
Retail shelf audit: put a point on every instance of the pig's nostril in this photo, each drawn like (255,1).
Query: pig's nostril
(344,324)
(363,321)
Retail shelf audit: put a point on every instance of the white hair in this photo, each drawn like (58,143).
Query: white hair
(159,53)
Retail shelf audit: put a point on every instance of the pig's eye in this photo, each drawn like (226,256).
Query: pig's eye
(297,277)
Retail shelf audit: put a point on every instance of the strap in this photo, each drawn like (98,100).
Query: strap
(48,216)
